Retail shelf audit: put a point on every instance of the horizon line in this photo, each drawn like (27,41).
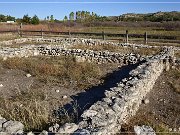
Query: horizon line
(97,2)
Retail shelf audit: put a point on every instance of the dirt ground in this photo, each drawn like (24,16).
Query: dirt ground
(15,81)
(163,110)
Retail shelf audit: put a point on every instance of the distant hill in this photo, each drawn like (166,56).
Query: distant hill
(154,17)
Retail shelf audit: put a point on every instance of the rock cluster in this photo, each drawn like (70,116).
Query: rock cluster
(75,41)
(89,55)
(81,55)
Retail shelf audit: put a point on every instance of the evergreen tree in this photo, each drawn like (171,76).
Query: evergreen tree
(52,18)
(26,19)
(35,20)
(71,16)
(65,19)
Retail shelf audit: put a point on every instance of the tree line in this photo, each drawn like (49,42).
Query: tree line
(4,18)
(84,16)
(91,17)
(28,20)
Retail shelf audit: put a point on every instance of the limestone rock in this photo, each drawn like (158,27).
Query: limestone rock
(89,113)
(1,85)
(28,75)
(68,128)
(54,128)
(144,130)
(82,132)
(30,133)
(64,97)
(44,132)
(12,126)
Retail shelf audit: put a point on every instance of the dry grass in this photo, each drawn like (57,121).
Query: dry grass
(8,36)
(63,70)
(28,107)
(34,108)
(143,119)
(174,79)
(177,54)
(121,29)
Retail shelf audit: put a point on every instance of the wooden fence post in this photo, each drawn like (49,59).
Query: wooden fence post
(20,32)
(41,33)
(103,35)
(127,36)
(145,37)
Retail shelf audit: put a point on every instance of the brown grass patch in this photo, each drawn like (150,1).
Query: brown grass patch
(33,107)
(62,69)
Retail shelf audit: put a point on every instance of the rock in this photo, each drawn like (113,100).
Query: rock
(89,113)
(30,133)
(68,128)
(44,132)
(54,128)
(145,101)
(64,97)
(28,75)
(82,132)
(80,59)
(2,120)
(12,126)
(4,58)
(144,130)
(1,85)
(57,91)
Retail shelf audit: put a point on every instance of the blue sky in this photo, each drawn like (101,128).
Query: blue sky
(59,10)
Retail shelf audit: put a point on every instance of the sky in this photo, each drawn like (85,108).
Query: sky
(60,8)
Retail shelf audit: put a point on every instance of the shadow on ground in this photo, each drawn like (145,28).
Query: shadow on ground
(84,100)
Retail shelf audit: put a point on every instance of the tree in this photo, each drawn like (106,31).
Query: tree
(71,16)
(78,15)
(82,15)
(48,18)
(52,18)
(2,18)
(65,19)
(35,20)
(10,18)
(26,19)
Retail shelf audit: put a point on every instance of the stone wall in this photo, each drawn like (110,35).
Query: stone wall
(120,102)
(81,55)
(89,55)
(75,41)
